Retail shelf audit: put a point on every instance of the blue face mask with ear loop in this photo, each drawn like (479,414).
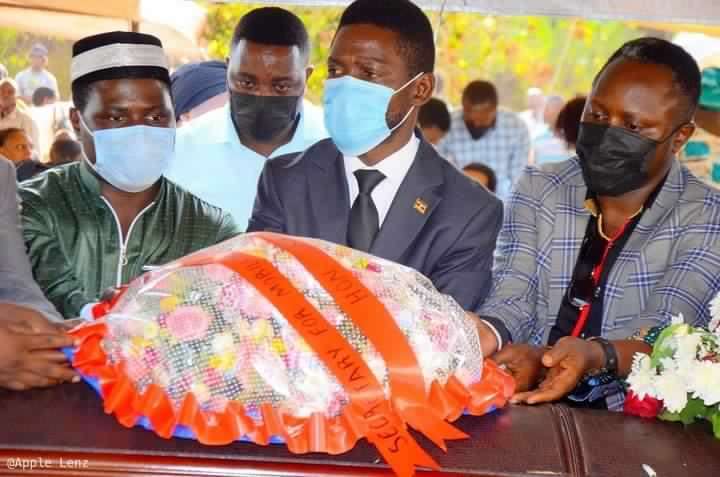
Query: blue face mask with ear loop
(131,158)
(355,113)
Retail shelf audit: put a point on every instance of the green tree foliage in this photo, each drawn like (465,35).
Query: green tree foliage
(560,56)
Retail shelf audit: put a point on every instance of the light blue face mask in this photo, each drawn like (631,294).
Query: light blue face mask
(355,113)
(132,158)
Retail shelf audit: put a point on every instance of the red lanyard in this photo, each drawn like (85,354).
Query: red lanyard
(596,274)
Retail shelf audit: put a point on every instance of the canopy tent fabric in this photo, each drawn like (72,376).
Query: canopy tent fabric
(675,11)
(124,9)
(74,19)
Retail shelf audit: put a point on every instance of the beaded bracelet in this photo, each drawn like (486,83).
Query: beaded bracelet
(653,334)
(649,336)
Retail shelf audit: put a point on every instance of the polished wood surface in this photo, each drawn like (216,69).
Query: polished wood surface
(63,431)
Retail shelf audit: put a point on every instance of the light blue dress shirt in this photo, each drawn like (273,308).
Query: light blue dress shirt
(212,163)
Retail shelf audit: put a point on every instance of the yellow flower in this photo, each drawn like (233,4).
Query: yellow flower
(169,303)
(151,330)
(261,330)
(140,342)
(222,362)
(278,345)
(361,263)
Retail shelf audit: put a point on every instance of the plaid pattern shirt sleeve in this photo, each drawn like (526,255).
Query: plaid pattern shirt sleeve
(513,297)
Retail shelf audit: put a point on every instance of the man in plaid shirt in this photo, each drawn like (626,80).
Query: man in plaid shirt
(482,133)
(613,242)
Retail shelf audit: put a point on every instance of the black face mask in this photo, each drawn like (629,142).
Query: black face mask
(263,117)
(478,132)
(614,160)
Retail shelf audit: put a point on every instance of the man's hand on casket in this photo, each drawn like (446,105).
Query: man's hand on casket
(30,353)
(566,363)
(524,363)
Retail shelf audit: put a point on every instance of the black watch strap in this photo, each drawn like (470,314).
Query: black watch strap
(611,357)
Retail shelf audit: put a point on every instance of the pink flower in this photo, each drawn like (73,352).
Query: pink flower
(242,297)
(649,407)
(219,273)
(188,322)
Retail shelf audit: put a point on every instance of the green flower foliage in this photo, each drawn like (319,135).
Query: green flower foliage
(560,56)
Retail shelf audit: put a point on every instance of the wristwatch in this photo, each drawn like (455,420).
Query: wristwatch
(611,357)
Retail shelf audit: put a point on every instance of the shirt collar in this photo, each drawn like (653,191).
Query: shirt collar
(394,167)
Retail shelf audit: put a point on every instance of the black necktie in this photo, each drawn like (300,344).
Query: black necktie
(364,221)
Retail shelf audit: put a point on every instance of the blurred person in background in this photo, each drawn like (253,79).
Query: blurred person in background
(43,96)
(198,88)
(547,146)
(10,115)
(219,156)
(3,72)
(65,149)
(481,174)
(49,116)
(36,75)
(702,153)
(434,120)
(533,116)
(16,145)
(481,132)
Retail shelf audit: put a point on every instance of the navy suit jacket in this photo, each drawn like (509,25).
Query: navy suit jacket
(452,242)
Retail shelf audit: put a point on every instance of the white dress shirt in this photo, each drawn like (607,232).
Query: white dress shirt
(395,167)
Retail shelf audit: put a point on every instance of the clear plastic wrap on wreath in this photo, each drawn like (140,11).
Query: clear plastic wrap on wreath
(257,321)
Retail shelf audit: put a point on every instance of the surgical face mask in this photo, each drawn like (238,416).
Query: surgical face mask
(355,113)
(263,117)
(132,158)
(614,160)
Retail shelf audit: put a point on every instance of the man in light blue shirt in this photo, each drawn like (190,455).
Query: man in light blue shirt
(219,156)
(481,132)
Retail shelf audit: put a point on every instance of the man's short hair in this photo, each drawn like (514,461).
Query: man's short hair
(483,169)
(65,150)
(41,94)
(416,44)
(656,51)
(434,113)
(272,26)
(480,92)
(6,133)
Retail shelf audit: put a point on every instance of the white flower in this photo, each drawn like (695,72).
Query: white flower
(686,349)
(704,382)
(642,377)
(671,389)
(714,325)
(677,320)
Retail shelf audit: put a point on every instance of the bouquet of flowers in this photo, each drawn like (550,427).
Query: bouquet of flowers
(273,339)
(680,380)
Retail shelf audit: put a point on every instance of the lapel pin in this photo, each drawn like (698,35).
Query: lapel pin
(421,206)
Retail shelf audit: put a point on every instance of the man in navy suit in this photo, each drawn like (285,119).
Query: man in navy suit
(376,185)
